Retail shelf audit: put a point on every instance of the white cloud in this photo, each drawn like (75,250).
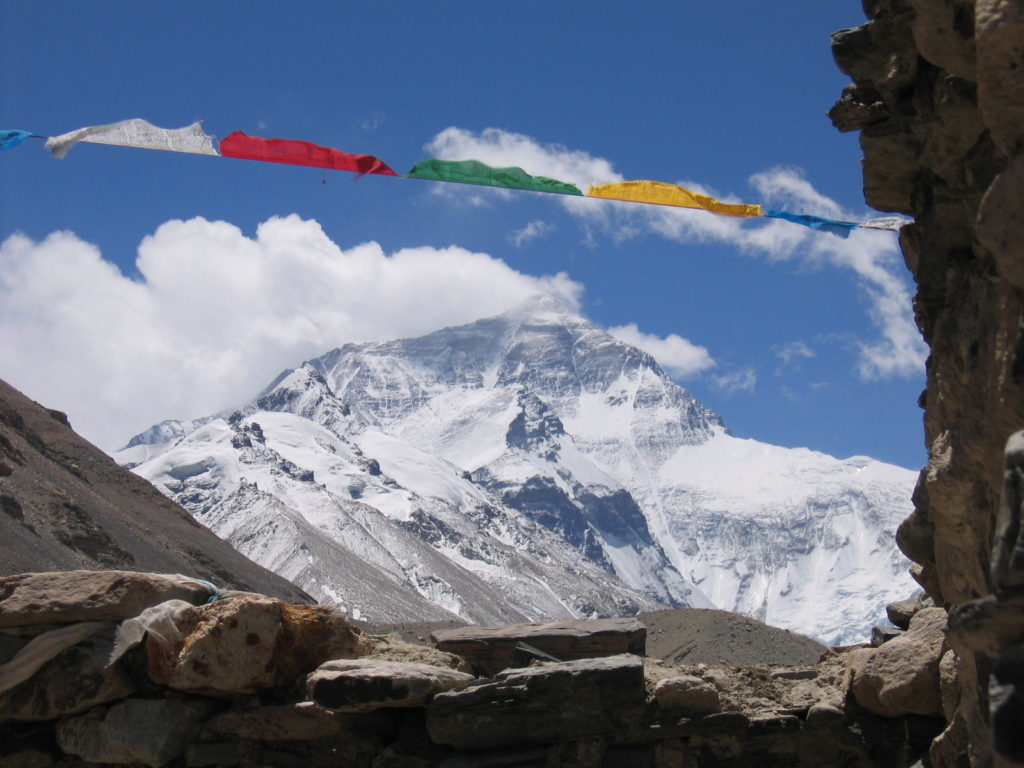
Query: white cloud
(740,380)
(530,232)
(679,357)
(872,256)
(793,350)
(217,314)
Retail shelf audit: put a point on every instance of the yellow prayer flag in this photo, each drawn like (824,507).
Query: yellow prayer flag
(660,193)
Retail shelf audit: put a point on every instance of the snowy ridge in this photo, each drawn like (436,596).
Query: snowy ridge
(310,504)
(530,466)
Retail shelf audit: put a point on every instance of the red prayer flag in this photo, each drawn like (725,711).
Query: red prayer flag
(300,153)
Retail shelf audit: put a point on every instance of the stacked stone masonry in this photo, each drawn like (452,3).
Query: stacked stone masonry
(102,668)
(118,668)
(938,98)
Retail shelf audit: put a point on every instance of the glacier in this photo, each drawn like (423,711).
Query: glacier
(530,466)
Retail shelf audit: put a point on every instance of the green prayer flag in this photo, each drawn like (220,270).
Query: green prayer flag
(475,172)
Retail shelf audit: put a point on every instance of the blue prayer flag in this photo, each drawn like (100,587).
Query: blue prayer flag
(11,139)
(838,228)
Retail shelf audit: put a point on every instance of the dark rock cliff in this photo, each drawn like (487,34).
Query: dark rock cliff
(938,98)
(66,505)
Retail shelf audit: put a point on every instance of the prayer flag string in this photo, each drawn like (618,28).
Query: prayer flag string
(193,139)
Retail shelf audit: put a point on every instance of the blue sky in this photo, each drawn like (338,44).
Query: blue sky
(795,337)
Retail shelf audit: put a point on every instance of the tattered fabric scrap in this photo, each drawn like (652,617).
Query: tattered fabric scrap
(839,228)
(660,193)
(294,152)
(12,138)
(139,134)
(475,172)
(892,223)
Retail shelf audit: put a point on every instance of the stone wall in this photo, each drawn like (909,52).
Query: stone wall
(938,98)
(102,668)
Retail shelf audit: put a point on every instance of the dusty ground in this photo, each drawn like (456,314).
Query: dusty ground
(685,636)
(706,636)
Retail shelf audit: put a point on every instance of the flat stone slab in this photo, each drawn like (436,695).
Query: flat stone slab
(304,721)
(65,597)
(76,680)
(363,685)
(492,649)
(544,704)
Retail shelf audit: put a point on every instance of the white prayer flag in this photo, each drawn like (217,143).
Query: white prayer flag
(885,222)
(140,134)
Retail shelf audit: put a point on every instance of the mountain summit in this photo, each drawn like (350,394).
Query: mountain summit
(531,466)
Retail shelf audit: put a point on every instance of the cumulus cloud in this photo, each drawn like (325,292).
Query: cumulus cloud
(870,256)
(679,357)
(533,230)
(216,314)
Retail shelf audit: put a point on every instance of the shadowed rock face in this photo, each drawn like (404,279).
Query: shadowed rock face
(938,96)
(65,505)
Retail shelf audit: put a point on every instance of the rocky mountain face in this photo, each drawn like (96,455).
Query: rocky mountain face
(530,466)
(64,504)
(938,96)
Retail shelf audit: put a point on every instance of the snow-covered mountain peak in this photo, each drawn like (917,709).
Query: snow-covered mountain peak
(541,307)
(531,465)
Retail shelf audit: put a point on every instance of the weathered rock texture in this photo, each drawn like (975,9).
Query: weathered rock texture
(902,676)
(71,596)
(492,649)
(363,685)
(248,643)
(250,681)
(938,96)
(65,505)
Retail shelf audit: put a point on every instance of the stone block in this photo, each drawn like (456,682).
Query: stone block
(689,694)
(304,721)
(902,676)
(66,597)
(1000,224)
(249,643)
(73,681)
(1008,549)
(492,649)
(544,704)
(363,685)
(902,611)
(941,38)
(999,30)
(151,732)
(890,170)
(824,716)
